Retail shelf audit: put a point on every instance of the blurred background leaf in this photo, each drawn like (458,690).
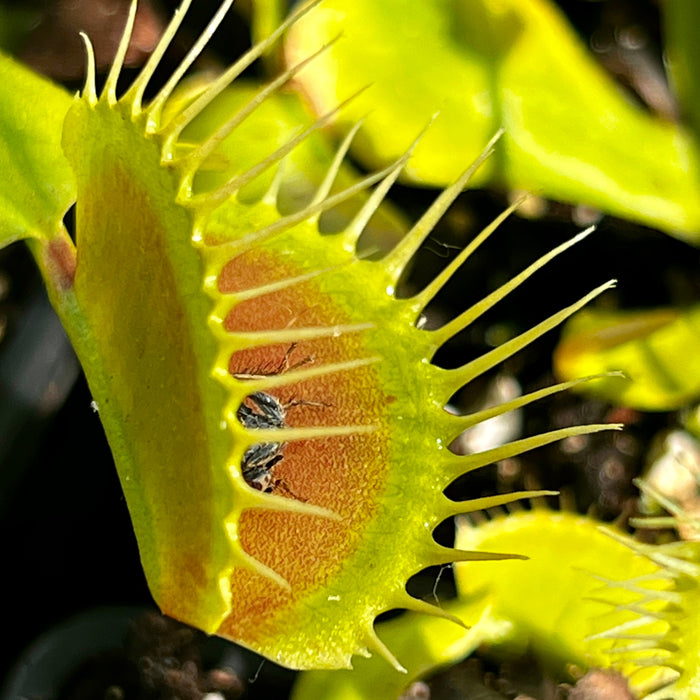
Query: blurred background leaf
(681,21)
(571,134)
(37,185)
(657,350)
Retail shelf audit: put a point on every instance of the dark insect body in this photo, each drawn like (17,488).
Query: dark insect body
(263,411)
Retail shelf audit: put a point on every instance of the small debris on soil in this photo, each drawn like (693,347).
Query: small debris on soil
(161,659)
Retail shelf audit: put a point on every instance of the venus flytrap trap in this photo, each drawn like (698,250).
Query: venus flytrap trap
(595,585)
(271,403)
(611,602)
(664,623)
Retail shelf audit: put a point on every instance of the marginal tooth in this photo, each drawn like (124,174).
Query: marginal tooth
(458,424)
(110,88)
(134,94)
(156,105)
(463,375)
(649,661)
(435,555)
(357,225)
(325,187)
(468,317)
(398,258)
(620,631)
(661,555)
(456,465)
(354,229)
(476,504)
(89,90)
(376,645)
(428,293)
(420,606)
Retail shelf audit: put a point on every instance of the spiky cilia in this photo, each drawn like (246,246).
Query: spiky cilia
(611,601)
(661,631)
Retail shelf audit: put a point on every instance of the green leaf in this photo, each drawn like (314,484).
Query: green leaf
(656,350)
(37,185)
(570,133)
(681,19)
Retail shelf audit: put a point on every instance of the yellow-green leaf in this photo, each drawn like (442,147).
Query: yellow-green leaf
(483,64)
(681,17)
(656,350)
(37,185)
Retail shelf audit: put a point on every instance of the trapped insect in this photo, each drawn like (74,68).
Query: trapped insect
(263,411)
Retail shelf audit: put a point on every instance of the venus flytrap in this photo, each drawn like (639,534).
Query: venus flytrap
(665,618)
(187,302)
(595,586)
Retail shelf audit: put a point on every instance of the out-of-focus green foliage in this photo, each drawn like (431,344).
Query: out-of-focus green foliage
(657,350)
(571,134)
(37,184)
(681,22)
